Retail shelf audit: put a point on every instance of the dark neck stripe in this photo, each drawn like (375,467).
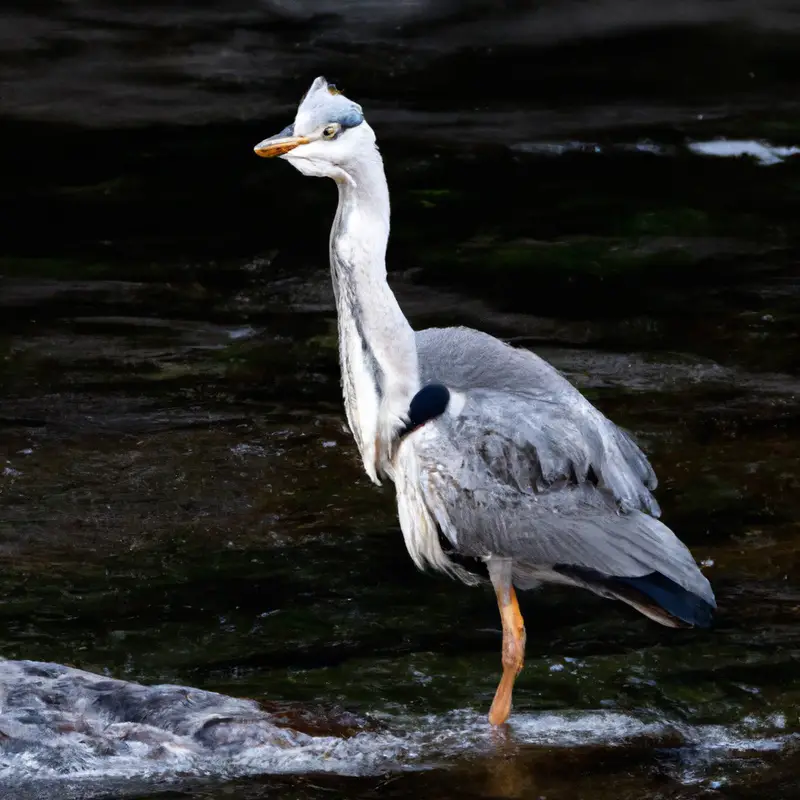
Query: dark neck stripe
(348,297)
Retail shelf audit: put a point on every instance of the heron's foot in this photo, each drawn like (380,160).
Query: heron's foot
(513,657)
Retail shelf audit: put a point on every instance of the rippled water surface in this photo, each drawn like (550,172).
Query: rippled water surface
(180,502)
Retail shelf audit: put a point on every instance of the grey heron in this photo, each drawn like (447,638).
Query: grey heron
(487,444)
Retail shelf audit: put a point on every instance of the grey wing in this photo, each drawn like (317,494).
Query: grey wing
(508,476)
(562,429)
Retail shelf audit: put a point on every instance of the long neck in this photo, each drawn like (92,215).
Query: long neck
(377,348)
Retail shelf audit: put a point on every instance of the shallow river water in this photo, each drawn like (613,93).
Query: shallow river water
(180,502)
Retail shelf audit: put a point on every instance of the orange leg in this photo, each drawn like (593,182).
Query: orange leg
(513,638)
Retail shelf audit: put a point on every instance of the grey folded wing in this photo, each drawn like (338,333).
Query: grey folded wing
(546,481)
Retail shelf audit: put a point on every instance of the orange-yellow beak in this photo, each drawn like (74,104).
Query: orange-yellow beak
(279,145)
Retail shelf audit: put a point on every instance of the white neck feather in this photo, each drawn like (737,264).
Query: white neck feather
(377,348)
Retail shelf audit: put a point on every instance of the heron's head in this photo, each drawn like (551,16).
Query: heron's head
(327,134)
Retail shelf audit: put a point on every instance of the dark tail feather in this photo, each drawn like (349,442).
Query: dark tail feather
(654,595)
(674,599)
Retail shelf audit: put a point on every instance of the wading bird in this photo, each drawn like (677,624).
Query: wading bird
(487,445)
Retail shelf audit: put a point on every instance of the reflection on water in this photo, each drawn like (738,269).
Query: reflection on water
(764,153)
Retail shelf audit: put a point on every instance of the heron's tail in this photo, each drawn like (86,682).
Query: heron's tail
(654,595)
(631,557)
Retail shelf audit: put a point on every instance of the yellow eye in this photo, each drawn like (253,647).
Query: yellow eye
(330,131)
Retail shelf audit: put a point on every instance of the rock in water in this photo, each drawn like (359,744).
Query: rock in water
(57,720)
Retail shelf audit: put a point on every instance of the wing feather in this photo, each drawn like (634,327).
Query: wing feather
(554,423)
(516,476)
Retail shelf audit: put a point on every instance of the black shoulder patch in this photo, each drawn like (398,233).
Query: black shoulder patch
(428,403)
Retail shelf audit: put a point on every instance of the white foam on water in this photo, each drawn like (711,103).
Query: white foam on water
(410,742)
(67,727)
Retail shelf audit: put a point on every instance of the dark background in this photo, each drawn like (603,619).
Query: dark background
(130,125)
(179,501)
